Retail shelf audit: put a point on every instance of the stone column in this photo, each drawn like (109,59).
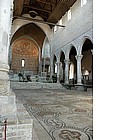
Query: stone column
(40,63)
(66,71)
(79,74)
(58,72)
(51,68)
(44,61)
(7,98)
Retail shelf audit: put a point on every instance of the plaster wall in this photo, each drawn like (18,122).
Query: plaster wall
(79,25)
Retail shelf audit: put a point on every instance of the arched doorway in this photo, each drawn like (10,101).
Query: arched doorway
(62,67)
(25,56)
(73,66)
(87,62)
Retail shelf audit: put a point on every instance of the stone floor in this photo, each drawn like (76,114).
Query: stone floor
(59,114)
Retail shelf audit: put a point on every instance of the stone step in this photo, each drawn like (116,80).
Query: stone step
(35,85)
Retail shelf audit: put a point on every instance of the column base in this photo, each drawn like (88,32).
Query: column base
(66,82)
(79,86)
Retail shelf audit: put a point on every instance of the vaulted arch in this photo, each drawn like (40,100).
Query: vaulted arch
(87,61)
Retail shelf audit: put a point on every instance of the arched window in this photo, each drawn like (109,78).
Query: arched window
(23,63)
(83,2)
(69,14)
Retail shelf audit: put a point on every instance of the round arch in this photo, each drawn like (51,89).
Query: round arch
(44,27)
(69,50)
(87,61)
(82,43)
(27,50)
(62,66)
(73,65)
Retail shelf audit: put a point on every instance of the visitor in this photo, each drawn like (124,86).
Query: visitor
(20,75)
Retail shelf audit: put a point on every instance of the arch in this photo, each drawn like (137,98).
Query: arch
(71,71)
(54,62)
(69,49)
(62,67)
(73,64)
(36,33)
(62,55)
(25,36)
(54,68)
(27,50)
(82,43)
(18,23)
(87,61)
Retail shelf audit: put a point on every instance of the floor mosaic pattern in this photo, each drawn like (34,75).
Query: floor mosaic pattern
(64,115)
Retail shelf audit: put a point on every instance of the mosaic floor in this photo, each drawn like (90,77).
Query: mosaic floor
(59,114)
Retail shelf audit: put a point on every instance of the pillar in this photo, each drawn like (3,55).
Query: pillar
(58,72)
(51,68)
(79,74)
(7,97)
(40,63)
(66,71)
(44,62)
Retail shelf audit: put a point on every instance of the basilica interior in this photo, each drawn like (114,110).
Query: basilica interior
(47,48)
(34,49)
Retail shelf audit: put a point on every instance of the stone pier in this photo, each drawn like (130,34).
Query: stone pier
(19,124)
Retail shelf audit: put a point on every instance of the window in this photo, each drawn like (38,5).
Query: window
(69,14)
(23,63)
(60,22)
(55,29)
(83,2)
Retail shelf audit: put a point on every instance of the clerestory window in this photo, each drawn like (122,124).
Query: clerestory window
(69,14)
(83,2)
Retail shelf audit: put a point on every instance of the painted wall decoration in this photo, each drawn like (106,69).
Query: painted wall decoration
(27,50)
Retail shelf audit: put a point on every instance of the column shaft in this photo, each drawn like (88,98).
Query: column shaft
(79,74)
(58,72)
(66,71)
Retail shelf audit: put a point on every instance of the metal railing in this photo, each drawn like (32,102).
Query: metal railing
(4,124)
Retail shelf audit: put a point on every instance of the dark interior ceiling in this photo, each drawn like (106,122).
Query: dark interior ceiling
(88,45)
(49,10)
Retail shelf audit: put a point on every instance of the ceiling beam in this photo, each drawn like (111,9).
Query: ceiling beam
(18,6)
(38,9)
(46,2)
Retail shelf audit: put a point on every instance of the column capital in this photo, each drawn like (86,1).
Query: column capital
(78,57)
(58,63)
(67,61)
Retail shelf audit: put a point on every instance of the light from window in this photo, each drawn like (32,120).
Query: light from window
(49,69)
(60,22)
(71,71)
(69,14)
(23,62)
(83,2)
(55,71)
(55,28)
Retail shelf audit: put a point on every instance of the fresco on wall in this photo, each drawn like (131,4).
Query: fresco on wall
(27,50)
